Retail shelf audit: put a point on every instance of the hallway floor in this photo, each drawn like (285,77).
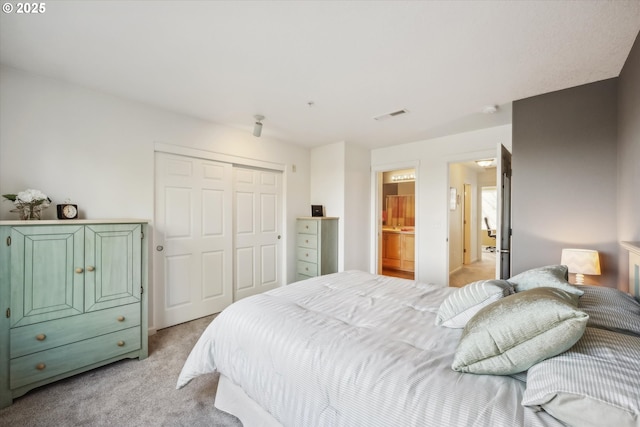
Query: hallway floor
(484,269)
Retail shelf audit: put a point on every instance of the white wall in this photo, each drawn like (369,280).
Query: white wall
(459,175)
(340,182)
(432,188)
(97,150)
(357,212)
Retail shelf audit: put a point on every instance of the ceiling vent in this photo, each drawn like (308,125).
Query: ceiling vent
(391,115)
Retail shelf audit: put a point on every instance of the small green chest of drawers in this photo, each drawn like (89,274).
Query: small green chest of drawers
(316,246)
(72,297)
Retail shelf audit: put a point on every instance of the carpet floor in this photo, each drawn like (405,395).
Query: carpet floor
(485,268)
(130,392)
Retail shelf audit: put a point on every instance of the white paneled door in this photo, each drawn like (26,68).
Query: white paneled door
(257,222)
(193,253)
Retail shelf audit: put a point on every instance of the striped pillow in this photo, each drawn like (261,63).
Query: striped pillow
(596,383)
(610,309)
(464,303)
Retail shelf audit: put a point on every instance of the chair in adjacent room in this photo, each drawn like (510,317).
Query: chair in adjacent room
(492,235)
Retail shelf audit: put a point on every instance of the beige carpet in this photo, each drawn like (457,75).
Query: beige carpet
(129,392)
(479,270)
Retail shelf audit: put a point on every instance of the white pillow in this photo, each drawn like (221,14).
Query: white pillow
(464,303)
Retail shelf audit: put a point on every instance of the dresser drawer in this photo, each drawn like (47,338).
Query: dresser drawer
(307,268)
(54,333)
(306,254)
(307,226)
(45,364)
(307,241)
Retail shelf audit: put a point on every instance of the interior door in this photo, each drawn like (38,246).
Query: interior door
(503,231)
(193,254)
(257,231)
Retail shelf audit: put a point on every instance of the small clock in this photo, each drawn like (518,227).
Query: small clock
(67,211)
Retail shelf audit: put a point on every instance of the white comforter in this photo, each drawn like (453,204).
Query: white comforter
(354,349)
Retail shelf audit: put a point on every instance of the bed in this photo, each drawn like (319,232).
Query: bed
(357,349)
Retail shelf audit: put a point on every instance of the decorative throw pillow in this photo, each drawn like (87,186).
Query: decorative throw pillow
(464,303)
(610,309)
(550,276)
(512,334)
(596,383)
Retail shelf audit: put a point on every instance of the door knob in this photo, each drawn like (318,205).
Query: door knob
(159,248)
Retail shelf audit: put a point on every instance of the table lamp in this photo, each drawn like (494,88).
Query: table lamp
(581,262)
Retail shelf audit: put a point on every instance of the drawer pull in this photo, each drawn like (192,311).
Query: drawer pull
(306,241)
(79,270)
(306,226)
(40,366)
(91,268)
(306,268)
(120,318)
(41,337)
(307,255)
(120,343)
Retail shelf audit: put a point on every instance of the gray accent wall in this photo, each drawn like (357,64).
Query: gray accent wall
(629,157)
(565,177)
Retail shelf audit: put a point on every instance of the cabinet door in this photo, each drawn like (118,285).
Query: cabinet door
(112,265)
(408,252)
(44,282)
(393,246)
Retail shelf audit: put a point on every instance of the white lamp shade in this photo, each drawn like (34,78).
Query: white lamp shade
(581,261)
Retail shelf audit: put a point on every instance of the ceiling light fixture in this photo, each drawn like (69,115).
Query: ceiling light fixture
(485,163)
(490,109)
(257,127)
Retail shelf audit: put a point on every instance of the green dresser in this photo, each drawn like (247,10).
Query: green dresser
(316,246)
(72,298)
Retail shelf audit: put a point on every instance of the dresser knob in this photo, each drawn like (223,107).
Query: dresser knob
(79,270)
(120,318)
(41,337)
(120,343)
(40,366)
(91,268)
(306,226)
(306,241)
(307,255)
(306,268)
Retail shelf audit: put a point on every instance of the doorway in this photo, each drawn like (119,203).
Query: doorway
(396,254)
(471,249)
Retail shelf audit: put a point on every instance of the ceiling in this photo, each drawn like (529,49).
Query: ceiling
(320,71)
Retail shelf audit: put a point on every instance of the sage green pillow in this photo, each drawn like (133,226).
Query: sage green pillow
(518,331)
(550,276)
(456,310)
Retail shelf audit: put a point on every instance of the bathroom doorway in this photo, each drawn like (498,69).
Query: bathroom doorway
(397,207)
